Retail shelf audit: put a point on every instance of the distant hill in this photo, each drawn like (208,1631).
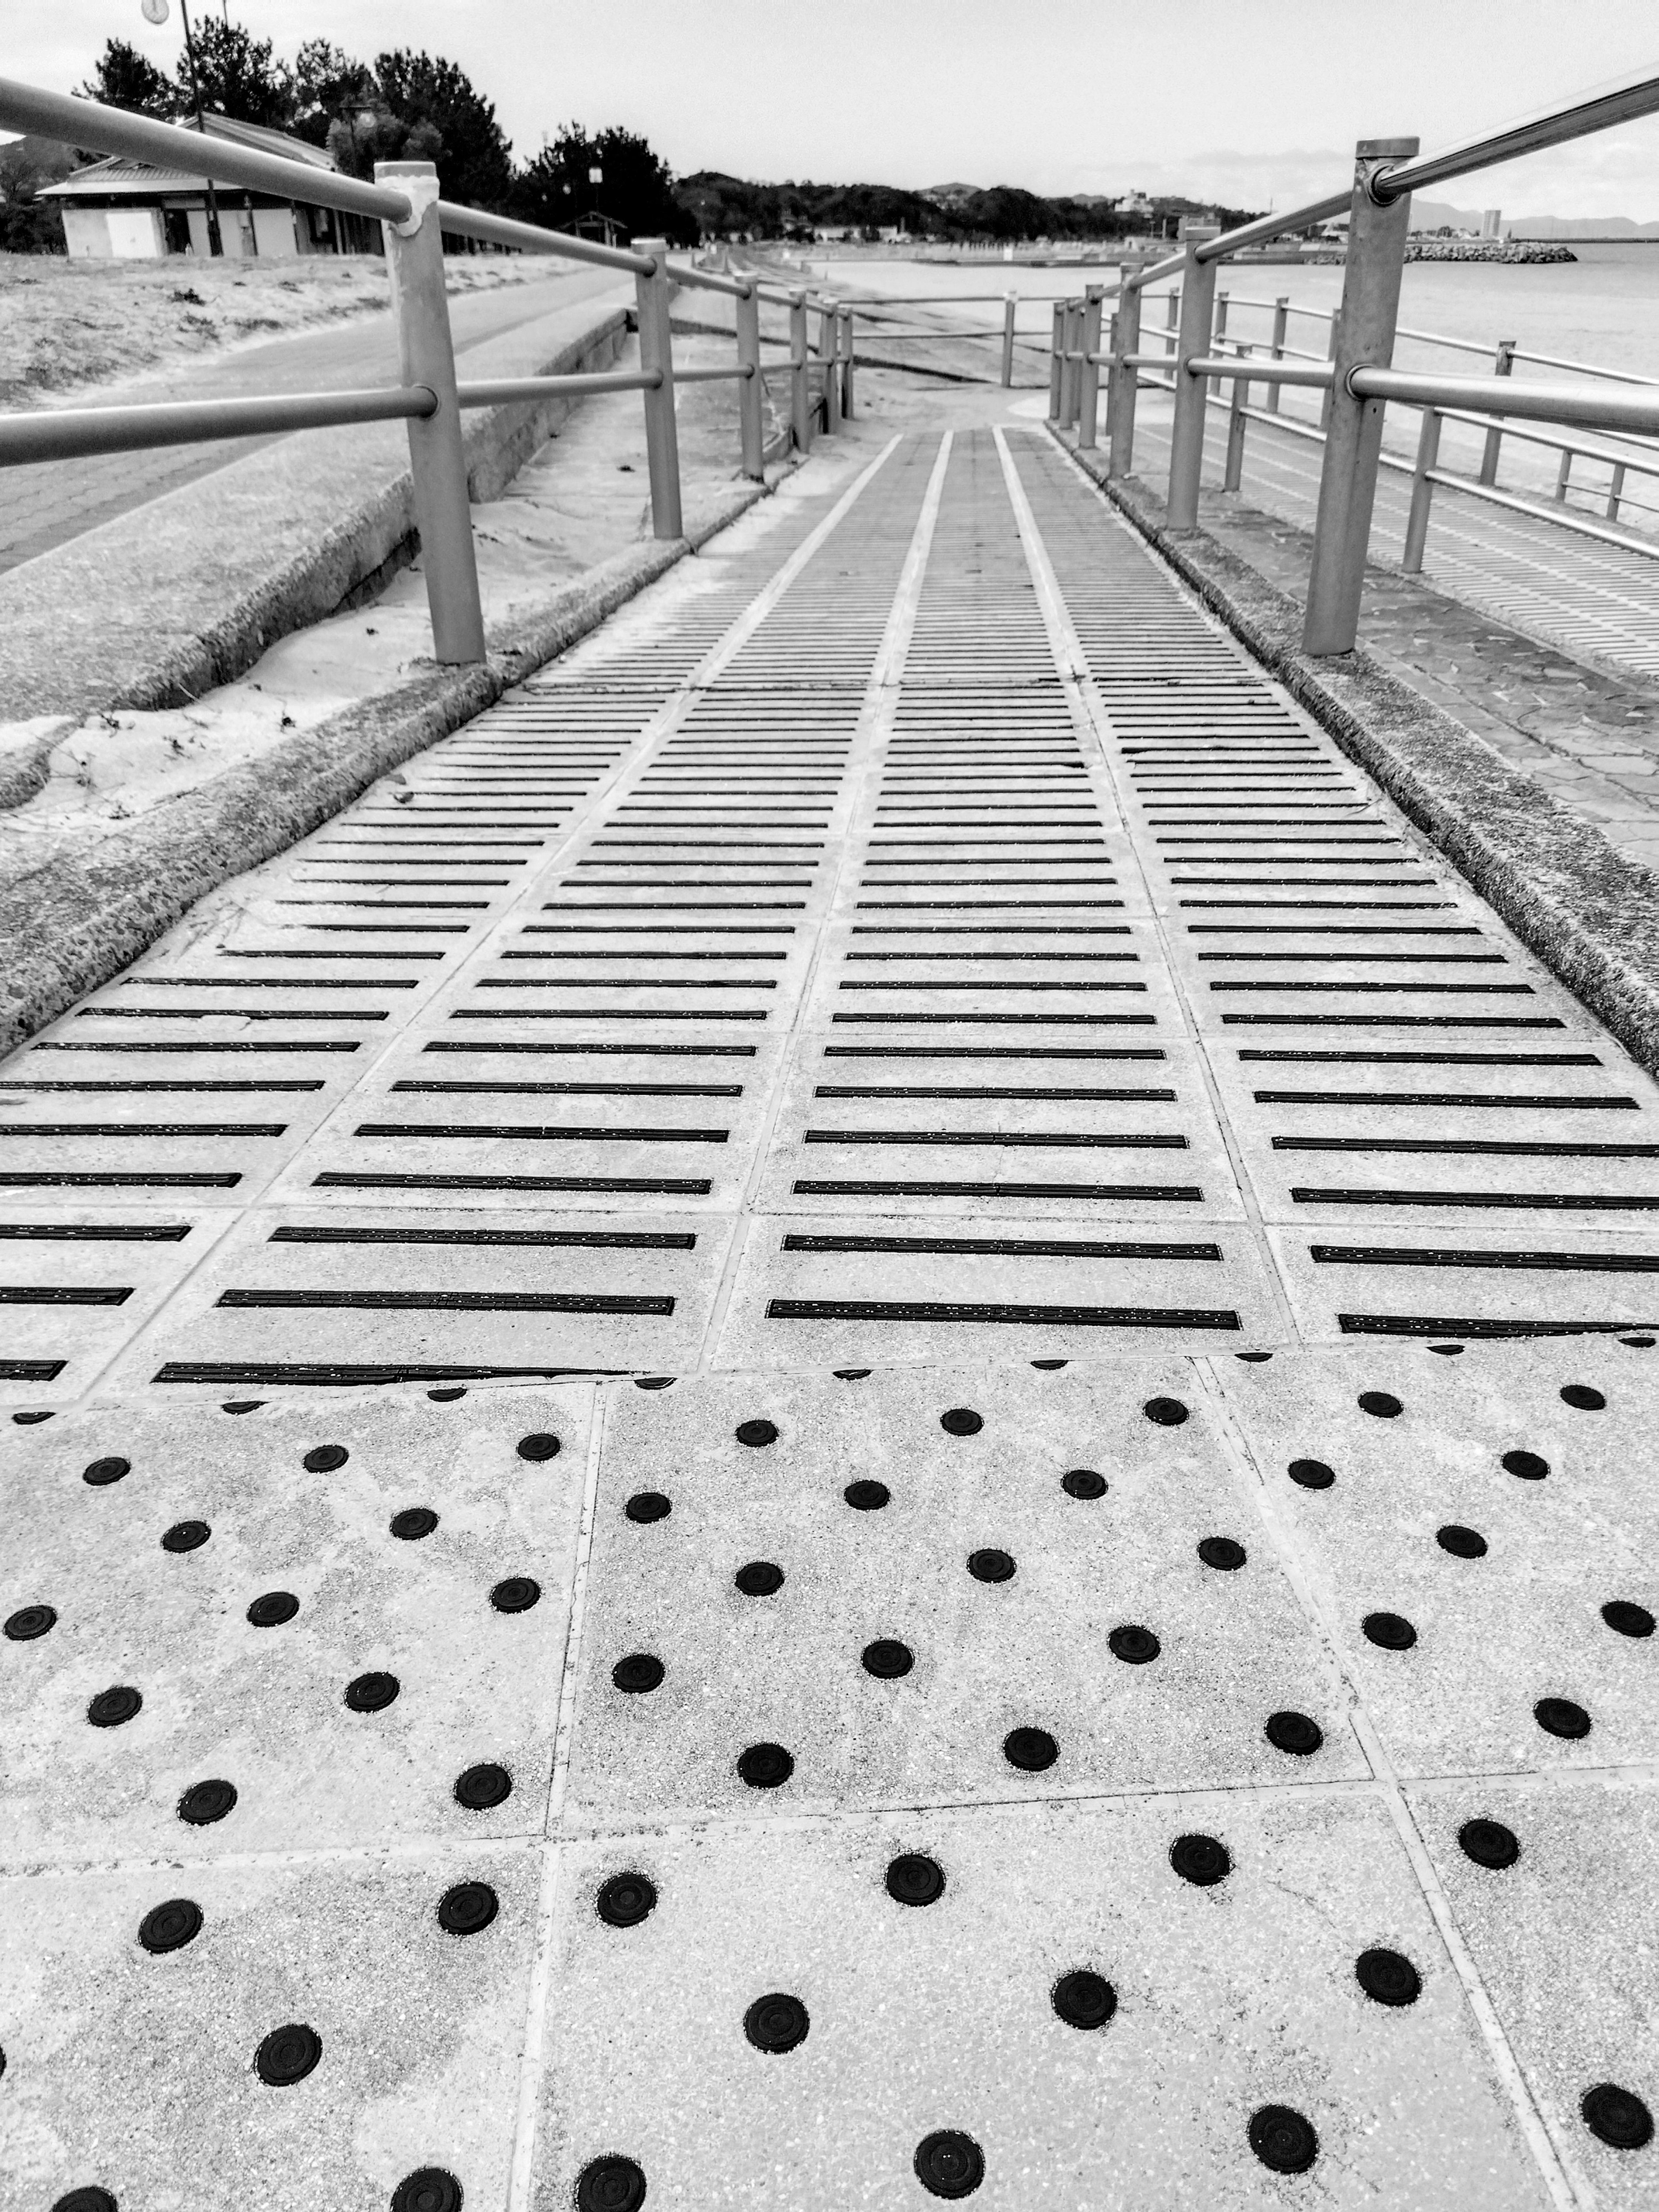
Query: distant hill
(727,206)
(1429,215)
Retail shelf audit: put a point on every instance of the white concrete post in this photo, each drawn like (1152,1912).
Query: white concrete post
(437,458)
(662,443)
(1347,481)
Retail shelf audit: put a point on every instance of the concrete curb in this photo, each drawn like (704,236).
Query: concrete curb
(95,903)
(1592,916)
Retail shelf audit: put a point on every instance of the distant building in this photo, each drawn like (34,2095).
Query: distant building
(1491,224)
(127,210)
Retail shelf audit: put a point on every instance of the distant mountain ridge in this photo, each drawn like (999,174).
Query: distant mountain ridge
(1428,214)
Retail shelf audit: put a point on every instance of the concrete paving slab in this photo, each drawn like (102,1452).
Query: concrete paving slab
(921,1648)
(1561,1939)
(1228,1998)
(155,1715)
(134,2071)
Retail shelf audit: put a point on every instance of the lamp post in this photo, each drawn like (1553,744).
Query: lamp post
(155,11)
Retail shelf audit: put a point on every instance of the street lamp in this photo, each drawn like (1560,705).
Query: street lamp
(155,11)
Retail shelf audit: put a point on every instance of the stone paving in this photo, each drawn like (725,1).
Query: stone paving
(858,1416)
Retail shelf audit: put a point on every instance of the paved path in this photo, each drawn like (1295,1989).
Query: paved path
(758,1376)
(46,505)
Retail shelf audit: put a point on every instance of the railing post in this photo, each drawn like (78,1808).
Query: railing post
(801,396)
(662,443)
(1111,371)
(1615,491)
(437,457)
(1241,400)
(1330,355)
(827,356)
(1192,393)
(1347,481)
(1056,348)
(1562,474)
(844,347)
(1125,379)
(1417,520)
(751,391)
(1008,307)
(1503,365)
(1088,371)
(1281,322)
(1218,335)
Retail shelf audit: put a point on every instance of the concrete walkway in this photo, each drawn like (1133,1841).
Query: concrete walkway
(762,1451)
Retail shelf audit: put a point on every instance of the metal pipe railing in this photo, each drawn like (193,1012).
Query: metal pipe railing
(457,222)
(69,432)
(1495,395)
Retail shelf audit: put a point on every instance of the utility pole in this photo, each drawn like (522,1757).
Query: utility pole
(215,244)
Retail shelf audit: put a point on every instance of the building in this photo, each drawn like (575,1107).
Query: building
(126,210)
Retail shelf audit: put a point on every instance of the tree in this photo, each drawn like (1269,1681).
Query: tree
(29,224)
(330,86)
(636,190)
(126,78)
(474,158)
(240,75)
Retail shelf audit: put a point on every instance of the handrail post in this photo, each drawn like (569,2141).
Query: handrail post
(1330,355)
(1111,371)
(437,456)
(800,413)
(1281,322)
(826,355)
(844,352)
(1192,393)
(1615,491)
(1088,371)
(1503,365)
(1241,400)
(1354,444)
(1218,335)
(1126,380)
(1056,348)
(1417,520)
(752,392)
(1562,475)
(662,442)
(1072,388)
(1008,307)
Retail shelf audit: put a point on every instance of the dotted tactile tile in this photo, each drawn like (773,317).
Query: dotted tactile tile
(154,1714)
(966,1627)
(1225,1998)
(1467,1518)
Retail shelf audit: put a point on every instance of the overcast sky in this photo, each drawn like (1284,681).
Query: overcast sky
(1252,101)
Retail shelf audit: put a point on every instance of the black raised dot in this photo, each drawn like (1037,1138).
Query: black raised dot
(1581,1394)
(849,1374)
(1640,1343)
(948,2163)
(625,1899)
(1526,1465)
(448,1393)
(757,1433)
(1030,1749)
(32,1621)
(515,1593)
(273,1608)
(1294,1733)
(610,2183)
(1388,1977)
(413,1522)
(654,1381)
(1223,1552)
(467,1908)
(186,1536)
(428,2188)
(204,1802)
(483,1787)
(538,1445)
(372,1693)
(639,1672)
(1382,1404)
(914,1879)
(112,1708)
(1282,2139)
(1134,1645)
(103,1471)
(1083,1999)
(991,1565)
(89,2198)
(1310,1474)
(1462,1543)
(1202,1860)
(27,1421)
(887,1659)
(1389,1632)
(1489,1844)
(1082,1482)
(759,1579)
(765,1766)
(1253,1358)
(241,1405)
(323,1459)
(867,1496)
(288,2055)
(1167,1412)
(1560,1716)
(647,1505)
(169,1927)
(1447,1351)
(961,1421)
(1620,1614)
(1619,2117)
(777,2023)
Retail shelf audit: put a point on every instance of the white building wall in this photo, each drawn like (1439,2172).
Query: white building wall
(136,234)
(86,234)
(273,233)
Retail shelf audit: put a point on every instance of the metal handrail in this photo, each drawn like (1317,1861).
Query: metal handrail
(67,433)
(1501,395)
(459,221)
(707,279)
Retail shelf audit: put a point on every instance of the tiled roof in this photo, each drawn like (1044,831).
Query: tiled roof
(117,172)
